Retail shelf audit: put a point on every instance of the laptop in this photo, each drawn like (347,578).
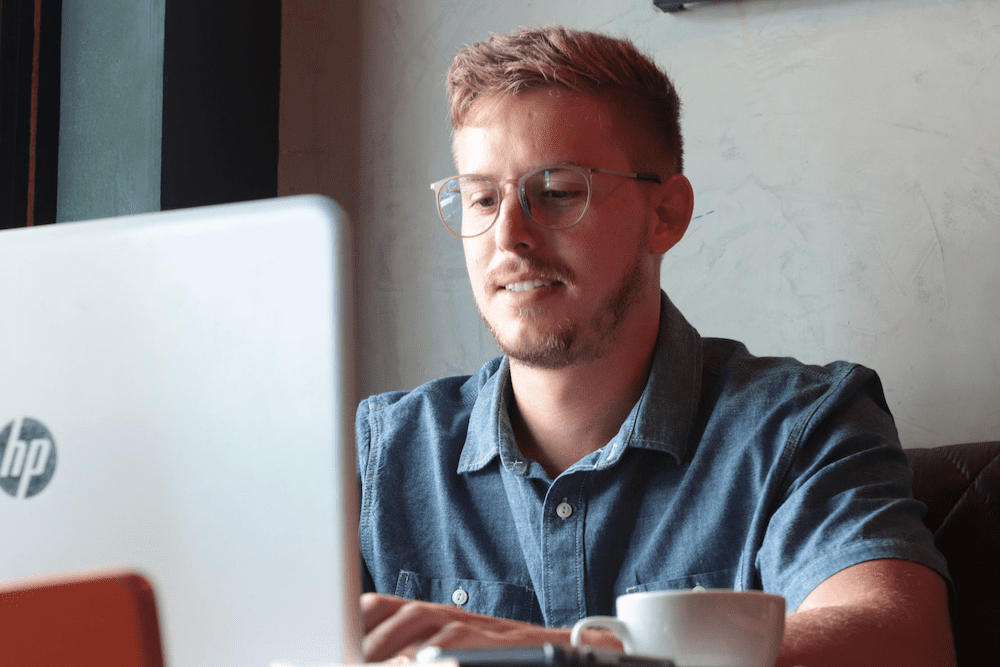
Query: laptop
(177,399)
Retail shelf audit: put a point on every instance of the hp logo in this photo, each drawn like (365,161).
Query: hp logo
(27,457)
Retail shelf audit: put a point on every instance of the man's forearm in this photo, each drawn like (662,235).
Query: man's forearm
(861,636)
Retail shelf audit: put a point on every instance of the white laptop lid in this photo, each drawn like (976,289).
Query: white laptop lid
(177,398)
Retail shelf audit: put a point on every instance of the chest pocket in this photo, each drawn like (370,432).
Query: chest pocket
(716,579)
(492,598)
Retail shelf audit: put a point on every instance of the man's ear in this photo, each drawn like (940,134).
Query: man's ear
(673,212)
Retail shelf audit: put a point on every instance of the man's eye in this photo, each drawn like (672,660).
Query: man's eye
(557,188)
(482,200)
(477,193)
(555,192)
(560,192)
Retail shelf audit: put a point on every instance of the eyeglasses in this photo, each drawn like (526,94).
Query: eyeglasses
(555,197)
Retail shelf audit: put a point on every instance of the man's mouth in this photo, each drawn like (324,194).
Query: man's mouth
(526,285)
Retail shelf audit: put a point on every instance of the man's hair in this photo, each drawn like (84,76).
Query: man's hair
(578,62)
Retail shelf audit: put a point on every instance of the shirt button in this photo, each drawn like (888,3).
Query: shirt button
(564,510)
(459,597)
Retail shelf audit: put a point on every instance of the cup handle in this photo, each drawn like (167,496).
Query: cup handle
(608,623)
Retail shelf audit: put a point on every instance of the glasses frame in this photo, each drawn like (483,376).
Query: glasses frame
(522,195)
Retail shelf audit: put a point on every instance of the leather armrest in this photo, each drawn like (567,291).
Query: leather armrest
(960,484)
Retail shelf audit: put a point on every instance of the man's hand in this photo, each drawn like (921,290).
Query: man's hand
(399,627)
(396,626)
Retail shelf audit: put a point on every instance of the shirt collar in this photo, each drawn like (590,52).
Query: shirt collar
(662,419)
(490,432)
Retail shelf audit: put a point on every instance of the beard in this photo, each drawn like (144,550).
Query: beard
(573,342)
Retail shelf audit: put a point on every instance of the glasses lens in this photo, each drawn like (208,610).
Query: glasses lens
(556,197)
(468,204)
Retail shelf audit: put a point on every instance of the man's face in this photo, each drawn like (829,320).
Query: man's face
(557,297)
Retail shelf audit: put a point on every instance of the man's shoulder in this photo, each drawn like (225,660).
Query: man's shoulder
(453,393)
(755,386)
(732,361)
(436,415)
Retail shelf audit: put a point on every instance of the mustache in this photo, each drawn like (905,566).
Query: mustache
(543,269)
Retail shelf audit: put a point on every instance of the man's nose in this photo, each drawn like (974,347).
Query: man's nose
(513,227)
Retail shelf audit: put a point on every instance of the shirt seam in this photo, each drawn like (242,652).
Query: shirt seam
(791,449)
(804,424)
(368,493)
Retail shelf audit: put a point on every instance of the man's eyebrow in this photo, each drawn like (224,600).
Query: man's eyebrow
(540,165)
(563,163)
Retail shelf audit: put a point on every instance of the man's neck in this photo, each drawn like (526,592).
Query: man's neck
(560,416)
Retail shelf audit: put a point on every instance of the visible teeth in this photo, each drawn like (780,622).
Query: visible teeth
(526,285)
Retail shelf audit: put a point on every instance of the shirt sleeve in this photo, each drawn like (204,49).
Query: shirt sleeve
(846,494)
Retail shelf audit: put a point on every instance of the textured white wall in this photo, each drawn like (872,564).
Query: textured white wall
(845,156)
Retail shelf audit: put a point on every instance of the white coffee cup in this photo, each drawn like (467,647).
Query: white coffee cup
(704,628)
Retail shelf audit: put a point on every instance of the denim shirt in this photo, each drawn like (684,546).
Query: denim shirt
(731,471)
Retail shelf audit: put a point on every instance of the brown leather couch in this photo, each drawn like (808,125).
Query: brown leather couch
(960,484)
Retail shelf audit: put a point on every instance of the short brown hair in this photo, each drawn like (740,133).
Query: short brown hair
(575,61)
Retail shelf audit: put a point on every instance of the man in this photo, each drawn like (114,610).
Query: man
(612,449)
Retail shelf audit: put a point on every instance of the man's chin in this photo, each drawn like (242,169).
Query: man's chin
(536,349)
(546,359)
(547,351)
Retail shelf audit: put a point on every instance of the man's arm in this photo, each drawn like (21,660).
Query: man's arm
(881,612)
